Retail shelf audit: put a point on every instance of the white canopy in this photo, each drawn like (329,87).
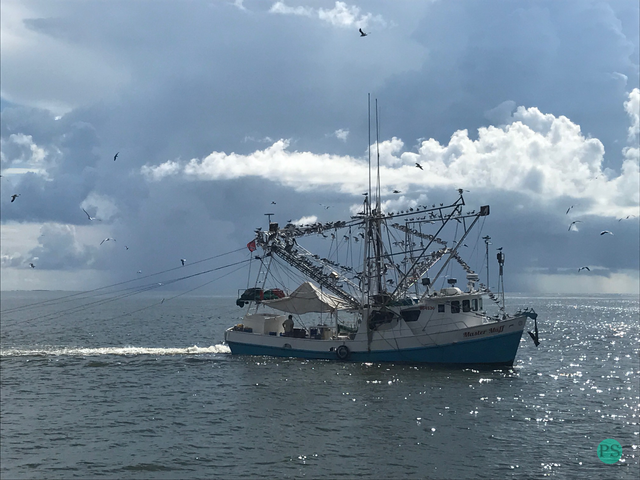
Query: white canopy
(307,298)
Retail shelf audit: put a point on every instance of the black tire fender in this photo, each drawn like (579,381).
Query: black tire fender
(342,352)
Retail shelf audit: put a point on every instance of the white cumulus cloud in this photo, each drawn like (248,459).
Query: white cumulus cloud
(632,107)
(161,171)
(341,15)
(60,248)
(341,134)
(20,148)
(537,154)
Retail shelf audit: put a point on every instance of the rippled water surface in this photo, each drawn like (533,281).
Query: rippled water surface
(141,388)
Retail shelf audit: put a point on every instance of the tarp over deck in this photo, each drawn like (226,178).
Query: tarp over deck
(307,298)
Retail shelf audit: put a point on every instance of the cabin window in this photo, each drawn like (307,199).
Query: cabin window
(466,306)
(455,306)
(474,304)
(441,308)
(379,317)
(480,303)
(410,315)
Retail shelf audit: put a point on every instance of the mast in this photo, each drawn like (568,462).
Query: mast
(500,257)
(366,281)
(369,144)
(377,214)
(487,243)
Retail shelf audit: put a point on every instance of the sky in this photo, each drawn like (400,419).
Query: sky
(222,111)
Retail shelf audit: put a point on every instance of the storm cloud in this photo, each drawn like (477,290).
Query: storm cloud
(224,111)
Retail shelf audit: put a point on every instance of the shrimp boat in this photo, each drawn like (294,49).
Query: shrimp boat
(378,294)
(385,309)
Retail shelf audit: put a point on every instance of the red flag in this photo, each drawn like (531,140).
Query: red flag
(251,245)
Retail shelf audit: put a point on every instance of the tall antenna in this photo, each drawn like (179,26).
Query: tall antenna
(369,144)
(366,290)
(378,234)
(378,155)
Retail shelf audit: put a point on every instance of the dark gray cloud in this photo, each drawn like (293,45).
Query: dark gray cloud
(180,80)
(562,57)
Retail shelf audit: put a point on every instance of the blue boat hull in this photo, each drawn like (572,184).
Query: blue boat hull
(496,351)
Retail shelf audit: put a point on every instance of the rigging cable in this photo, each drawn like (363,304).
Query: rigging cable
(171,298)
(85,306)
(78,294)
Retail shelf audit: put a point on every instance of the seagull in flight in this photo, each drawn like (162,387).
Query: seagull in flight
(362,34)
(572,224)
(116,156)
(605,232)
(14,196)
(584,268)
(89,216)
(273,203)
(183,261)
(107,239)
(419,166)
(568,210)
(397,191)
(32,265)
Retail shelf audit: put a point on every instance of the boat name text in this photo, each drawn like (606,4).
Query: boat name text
(486,330)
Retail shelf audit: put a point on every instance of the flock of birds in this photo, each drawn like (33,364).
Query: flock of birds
(183,261)
(603,232)
(307,229)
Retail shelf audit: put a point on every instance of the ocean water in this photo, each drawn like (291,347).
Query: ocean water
(140,388)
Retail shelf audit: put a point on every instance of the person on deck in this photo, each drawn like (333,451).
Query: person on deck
(288,326)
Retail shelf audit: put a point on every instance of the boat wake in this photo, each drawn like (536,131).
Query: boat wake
(123,351)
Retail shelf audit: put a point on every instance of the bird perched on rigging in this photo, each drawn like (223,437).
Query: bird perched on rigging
(362,34)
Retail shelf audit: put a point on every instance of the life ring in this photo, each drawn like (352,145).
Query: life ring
(342,352)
